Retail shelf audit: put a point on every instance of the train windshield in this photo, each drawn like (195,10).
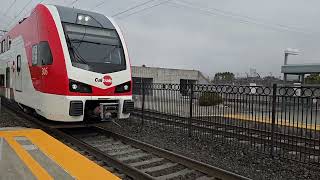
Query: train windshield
(95,49)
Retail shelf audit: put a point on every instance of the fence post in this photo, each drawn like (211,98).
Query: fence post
(274,104)
(143,101)
(190,111)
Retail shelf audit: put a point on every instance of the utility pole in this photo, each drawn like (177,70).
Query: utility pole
(288,52)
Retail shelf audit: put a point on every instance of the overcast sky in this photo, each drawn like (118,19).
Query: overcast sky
(208,35)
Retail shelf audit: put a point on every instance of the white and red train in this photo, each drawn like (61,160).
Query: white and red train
(67,65)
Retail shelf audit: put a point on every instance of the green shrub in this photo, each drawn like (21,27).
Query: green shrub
(210,99)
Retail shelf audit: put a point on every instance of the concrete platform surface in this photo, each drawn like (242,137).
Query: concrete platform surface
(32,154)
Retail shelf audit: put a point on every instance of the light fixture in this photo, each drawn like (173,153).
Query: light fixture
(80,17)
(87,18)
(74,86)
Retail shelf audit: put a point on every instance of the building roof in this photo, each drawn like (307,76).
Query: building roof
(196,73)
(300,68)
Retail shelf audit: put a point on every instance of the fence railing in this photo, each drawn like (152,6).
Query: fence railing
(282,121)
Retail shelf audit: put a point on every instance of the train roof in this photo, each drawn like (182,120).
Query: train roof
(69,15)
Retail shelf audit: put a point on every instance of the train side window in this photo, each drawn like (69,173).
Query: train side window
(2,46)
(8,43)
(8,77)
(1,80)
(45,56)
(18,63)
(35,55)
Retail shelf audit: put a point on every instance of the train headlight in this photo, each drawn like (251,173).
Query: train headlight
(80,17)
(122,88)
(87,18)
(125,87)
(83,19)
(75,86)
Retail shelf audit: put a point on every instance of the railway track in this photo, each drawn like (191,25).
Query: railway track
(291,144)
(152,162)
(126,157)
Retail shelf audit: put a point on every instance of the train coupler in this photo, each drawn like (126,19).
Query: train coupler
(108,111)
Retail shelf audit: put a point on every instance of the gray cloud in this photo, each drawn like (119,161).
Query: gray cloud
(179,37)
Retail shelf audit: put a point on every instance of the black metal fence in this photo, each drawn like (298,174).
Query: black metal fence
(282,121)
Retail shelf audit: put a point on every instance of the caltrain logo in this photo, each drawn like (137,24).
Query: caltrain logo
(106,80)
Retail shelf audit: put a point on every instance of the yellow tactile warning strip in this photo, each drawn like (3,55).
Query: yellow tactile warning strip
(34,167)
(281,122)
(71,161)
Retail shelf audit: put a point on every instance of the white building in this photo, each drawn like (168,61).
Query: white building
(168,76)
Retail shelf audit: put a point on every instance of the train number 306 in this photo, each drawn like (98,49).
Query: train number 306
(44,71)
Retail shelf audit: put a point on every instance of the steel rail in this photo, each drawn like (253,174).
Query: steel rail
(215,172)
(200,121)
(56,132)
(226,133)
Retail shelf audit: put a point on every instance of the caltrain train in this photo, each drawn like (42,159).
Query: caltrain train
(67,65)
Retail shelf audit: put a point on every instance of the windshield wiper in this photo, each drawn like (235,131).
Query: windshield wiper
(91,42)
(109,53)
(75,53)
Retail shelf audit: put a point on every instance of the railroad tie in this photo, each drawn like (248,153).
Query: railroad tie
(176,174)
(160,167)
(153,160)
(133,157)
(102,144)
(125,151)
(205,178)
(115,147)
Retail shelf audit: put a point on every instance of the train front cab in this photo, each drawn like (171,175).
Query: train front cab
(97,66)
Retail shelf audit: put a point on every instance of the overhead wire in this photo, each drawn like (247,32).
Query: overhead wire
(5,16)
(246,17)
(10,6)
(239,18)
(97,5)
(144,9)
(133,7)
(73,2)
(16,16)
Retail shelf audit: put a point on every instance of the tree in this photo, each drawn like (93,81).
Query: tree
(312,79)
(224,76)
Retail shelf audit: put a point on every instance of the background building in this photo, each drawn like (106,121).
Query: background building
(157,75)
(165,75)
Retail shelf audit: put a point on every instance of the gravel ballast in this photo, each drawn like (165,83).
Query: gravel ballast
(239,160)
(242,161)
(9,119)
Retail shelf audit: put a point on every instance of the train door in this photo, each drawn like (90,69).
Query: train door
(8,87)
(18,74)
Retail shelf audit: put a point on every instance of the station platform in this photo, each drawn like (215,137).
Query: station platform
(33,154)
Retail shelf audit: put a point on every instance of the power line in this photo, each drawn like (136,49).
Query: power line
(23,9)
(245,17)
(134,7)
(16,16)
(4,16)
(144,9)
(13,2)
(73,2)
(241,19)
(97,5)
